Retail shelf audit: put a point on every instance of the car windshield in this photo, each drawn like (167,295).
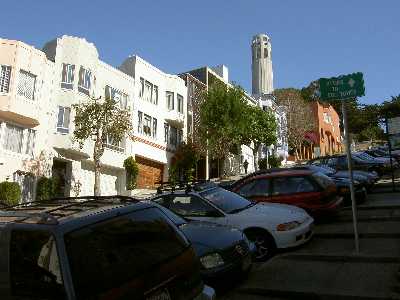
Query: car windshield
(227,201)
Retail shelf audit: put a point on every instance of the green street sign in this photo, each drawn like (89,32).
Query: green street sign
(342,87)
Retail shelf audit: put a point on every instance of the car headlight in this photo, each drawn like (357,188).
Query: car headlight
(211,260)
(344,190)
(288,226)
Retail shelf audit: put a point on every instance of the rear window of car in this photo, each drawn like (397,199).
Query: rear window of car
(112,253)
(34,266)
(323,180)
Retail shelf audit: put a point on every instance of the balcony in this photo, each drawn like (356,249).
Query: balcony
(64,145)
(175,118)
(19,110)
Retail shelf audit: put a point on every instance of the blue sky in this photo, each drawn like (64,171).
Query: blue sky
(310,39)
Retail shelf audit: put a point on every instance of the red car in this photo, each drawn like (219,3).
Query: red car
(314,192)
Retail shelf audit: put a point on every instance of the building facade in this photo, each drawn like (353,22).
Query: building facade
(37,92)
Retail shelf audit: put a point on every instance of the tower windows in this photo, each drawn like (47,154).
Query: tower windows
(265,52)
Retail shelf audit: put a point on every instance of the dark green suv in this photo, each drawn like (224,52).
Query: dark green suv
(95,248)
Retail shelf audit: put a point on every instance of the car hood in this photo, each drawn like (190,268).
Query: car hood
(211,235)
(275,212)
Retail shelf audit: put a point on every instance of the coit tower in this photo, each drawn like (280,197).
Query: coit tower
(261,65)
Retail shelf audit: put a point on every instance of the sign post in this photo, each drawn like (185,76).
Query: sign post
(343,88)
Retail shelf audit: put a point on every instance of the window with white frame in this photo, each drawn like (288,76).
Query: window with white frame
(179,99)
(148,91)
(13,137)
(30,141)
(155,95)
(67,76)
(26,84)
(147,125)
(141,88)
(84,83)
(140,122)
(113,144)
(170,100)
(118,96)
(166,132)
(63,119)
(154,132)
(5,75)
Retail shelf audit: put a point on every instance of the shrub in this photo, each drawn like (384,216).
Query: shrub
(46,188)
(10,193)
(183,163)
(132,171)
(273,161)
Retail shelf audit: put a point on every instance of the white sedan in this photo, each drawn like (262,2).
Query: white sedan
(268,225)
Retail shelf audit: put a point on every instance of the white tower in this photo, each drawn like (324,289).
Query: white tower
(261,65)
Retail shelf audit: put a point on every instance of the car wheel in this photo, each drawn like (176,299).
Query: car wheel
(264,243)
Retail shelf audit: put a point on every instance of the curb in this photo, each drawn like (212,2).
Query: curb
(360,235)
(342,258)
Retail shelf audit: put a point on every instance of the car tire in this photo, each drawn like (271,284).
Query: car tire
(264,243)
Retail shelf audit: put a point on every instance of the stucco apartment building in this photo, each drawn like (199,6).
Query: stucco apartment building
(37,91)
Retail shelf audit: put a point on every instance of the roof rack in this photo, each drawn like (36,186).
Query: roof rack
(53,209)
(173,186)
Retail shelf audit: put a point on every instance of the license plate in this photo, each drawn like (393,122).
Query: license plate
(246,263)
(159,295)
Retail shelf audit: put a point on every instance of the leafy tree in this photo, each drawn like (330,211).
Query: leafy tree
(298,115)
(183,163)
(98,119)
(222,121)
(391,108)
(260,129)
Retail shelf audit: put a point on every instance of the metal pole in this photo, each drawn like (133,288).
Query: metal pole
(350,167)
(390,153)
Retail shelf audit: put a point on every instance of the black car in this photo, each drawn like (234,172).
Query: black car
(339,162)
(342,184)
(109,247)
(223,251)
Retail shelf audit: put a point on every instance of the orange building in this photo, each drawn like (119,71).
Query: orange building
(328,139)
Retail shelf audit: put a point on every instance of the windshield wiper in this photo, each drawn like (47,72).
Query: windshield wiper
(236,210)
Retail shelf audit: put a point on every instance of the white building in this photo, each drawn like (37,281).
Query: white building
(37,91)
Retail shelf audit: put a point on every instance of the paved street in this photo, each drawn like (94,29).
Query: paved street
(328,267)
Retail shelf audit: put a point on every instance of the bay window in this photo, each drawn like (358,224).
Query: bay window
(5,74)
(67,76)
(84,83)
(26,84)
(13,137)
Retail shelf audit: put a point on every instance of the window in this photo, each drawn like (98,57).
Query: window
(30,142)
(291,185)
(63,119)
(13,138)
(166,132)
(141,91)
(189,206)
(140,122)
(155,94)
(84,83)
(180,137)
(67,76)
(147,125)
(34,266)
(5,74)
(111,143)
(118,96)
(170,100)
(26,84)
(265,52)
(255,188)
(104,256)
(173,136)
(154,128)
(148,91)
(179,98)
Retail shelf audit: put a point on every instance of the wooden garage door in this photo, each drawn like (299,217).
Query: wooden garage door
(150,172)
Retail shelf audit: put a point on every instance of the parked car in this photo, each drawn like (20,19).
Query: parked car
(378,153)
(223,250)
(314,192)
(268,226)
(96,248)
(380,159)
(339,162)
(342,184)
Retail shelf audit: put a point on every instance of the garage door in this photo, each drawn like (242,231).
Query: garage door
(109,180)
(150,172)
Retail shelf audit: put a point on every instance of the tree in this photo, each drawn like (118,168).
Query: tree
(391,108)
(100,120)
(260,129)
(222,121)
(183,163)
(298,115)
